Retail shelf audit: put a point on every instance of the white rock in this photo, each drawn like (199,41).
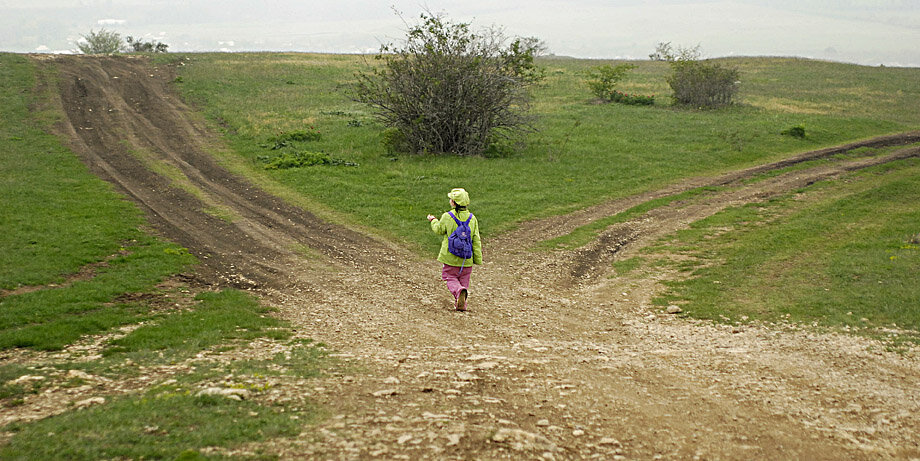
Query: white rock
(674,309)
(464,376)
(90,402)
(578,433)
(477,358)
(486,365)
(230,393)
(453,439)
(609,441)
(385,392)
(391,380)
(543,423)
(27,379)
(521,440)
(85,376)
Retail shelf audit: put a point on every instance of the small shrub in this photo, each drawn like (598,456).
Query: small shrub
(499,148)
(603,79)
(286,139)
(141,46)
(395,141)
(287,160)
(797,131)
(632,99)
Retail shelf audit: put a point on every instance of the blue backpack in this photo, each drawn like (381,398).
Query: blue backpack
(460,242)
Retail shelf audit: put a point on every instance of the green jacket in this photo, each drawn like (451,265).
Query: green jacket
(445,226)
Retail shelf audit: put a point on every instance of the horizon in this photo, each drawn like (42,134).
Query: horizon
(848,31)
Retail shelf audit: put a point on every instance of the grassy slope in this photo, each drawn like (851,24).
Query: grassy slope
(841,254)
(57,220)
(583,154)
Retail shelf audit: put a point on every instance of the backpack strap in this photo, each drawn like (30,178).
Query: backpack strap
(451,213)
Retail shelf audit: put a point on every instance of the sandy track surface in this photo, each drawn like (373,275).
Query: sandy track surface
(555,359)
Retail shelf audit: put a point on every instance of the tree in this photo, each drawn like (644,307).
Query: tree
(450,90)
(102,42)
(662,52)
(141,46)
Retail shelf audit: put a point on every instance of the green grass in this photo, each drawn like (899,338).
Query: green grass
(163,423)
(53,317)
(220,317)
(58,218)
(839,255)
(583,153)
(625,266)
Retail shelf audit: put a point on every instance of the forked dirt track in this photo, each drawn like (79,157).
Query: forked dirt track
(555,360)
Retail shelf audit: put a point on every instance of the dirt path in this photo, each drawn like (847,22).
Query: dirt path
(555,360)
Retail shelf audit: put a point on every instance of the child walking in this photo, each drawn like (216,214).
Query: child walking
(457,269)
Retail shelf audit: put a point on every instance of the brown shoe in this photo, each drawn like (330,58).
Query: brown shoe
(461,300)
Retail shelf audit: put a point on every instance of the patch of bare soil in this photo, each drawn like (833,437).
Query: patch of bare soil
(554,360)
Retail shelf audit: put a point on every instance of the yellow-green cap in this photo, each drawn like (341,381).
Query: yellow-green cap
(459,196)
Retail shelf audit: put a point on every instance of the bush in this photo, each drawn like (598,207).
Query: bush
(702,84)
(394,141)
(449,90)
(603,79)
(632,99)
(287,139)
(102,42)
(797,131)
(287,160)
(141,46)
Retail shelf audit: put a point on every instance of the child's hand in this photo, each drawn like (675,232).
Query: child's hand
(431,217)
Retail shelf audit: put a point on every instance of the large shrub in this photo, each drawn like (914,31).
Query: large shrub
(703,84)
(700,83)
(102,42)
(450,90)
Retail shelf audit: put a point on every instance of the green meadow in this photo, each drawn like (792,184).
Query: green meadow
(581,153)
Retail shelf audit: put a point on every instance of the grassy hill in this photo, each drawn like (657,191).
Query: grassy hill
(584,153)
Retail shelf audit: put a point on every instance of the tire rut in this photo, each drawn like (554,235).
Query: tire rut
(123,119)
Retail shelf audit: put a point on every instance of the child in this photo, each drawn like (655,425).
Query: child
(456,270)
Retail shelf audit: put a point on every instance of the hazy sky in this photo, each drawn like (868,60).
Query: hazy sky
(868,32)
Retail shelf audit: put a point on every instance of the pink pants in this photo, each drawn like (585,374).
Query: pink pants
(456,280)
